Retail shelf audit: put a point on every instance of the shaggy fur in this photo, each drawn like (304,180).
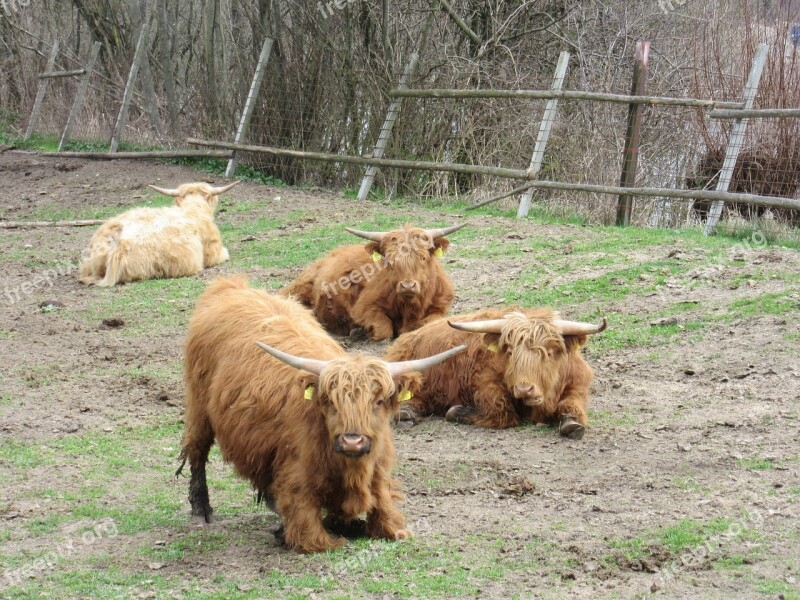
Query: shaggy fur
(529,352)
(152,243)
(377,302)
(255,408)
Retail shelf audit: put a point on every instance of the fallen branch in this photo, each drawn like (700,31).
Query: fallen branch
(20,224)
(517,190)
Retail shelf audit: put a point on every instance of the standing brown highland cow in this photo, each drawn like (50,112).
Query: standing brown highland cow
(311,429)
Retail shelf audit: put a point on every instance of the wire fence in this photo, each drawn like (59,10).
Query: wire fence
(304,104)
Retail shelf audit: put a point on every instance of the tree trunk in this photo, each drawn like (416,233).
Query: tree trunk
(139,18)
(165,57)
(211,70)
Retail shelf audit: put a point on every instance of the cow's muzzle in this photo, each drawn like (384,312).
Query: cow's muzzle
(529,394)
(353,445)
(408,287)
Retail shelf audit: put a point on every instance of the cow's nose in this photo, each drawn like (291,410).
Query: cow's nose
(523,390)
(408,286)
(353,443)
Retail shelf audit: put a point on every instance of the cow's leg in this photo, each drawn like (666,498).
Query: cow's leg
(571,412)
(491,409)
(195,450)
(379,326)
(412,410)
(385,520)
(303,528)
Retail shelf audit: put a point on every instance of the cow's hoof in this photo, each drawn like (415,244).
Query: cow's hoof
(279,532)
(358,334)
(570,428)
(201,520)
(357,528)
(461,414)
(407,414)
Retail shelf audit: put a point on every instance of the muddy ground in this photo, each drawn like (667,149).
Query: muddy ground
(695,436)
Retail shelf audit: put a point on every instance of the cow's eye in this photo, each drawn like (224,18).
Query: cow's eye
(379,402)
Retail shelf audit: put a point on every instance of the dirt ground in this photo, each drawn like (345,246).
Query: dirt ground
(700,433)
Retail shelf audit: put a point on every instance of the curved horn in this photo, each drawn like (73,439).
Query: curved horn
(298,362)
(578,328)
(165,191)
(437,233)
(375,236)
(221,190)
(401,368)
(490,326)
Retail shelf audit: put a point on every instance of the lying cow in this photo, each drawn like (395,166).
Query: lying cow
(390,286)
(153,243)
(526,366)
(311,434)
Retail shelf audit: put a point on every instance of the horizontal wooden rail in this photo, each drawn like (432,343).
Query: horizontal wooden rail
(359,160)
(562,94)
(143,154)
(510,174)
(18,224)
(759,113)
(776,201)
(56,74)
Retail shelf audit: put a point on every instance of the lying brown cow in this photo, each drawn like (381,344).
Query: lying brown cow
(309,433)
(526,366)
(390,286)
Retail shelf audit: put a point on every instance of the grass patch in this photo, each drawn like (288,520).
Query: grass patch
(755,464)
(680,536)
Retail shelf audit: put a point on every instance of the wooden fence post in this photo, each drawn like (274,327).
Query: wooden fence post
(394,110)
(250,103)
(77,105)
(138,56)
(544,132)
(386,130)
(37,105)
(737,137)
(633,135)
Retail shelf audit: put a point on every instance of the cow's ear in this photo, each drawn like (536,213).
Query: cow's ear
(574,343)
(408,386)
(373,249)
(439,246)
(492,341)
(179,200)
(309,384)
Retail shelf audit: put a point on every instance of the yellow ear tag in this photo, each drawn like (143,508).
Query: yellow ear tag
(404,396)
(309,393)
(376,256)
(439,252)
(492,348)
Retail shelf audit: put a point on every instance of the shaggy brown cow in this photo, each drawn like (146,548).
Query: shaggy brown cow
(526,366)
(309,433)
(152,243)
(390,286)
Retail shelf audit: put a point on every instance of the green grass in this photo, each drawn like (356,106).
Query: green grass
(682,535)
(755,464)
(54,212)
